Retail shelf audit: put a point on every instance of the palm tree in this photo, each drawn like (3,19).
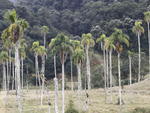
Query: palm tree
(44,31)
(8,45)
(88,42)
(22,56)
(55,79)
(61,44)
(14,32)
(35,49)
(147,20)
(42,53)
(78,57)
(138,30)
(3,60)
(101,40)
(119,38)
(109,45)
(75,44)
(130,54)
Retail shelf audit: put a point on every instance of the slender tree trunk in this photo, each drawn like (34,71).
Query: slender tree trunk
(13,76)
(55,71)
(22,72)
(71,74)
(139,44)
(9,67)
(79,85)
(149,45)
(44,40)
(43,77)
(7,78)
(63,86)
(88,68)
(17,72)
(4,77)
(56,94)
(130,71)
(110,65)
(119,77)
(56,86)
(79,77)
(27,79)
(42,91)
(104,66)
(37,71)
(107,69)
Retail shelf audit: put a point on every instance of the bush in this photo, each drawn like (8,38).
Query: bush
(71,108)
(141,110)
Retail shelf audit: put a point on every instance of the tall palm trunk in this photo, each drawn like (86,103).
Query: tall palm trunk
(79,85)
(79,77)
(63,86)
(119,77)
(107,69)
(88,68)
(27,80)
(37,71)
(139,68)
(17,72)
(7,65)
(13,75)
(43,78)
(104,66)
(71,74)
(110,72)
(56,87)
(45,40)
(149,45)
(22,72)
(4,77)
(10,66)
(130,70)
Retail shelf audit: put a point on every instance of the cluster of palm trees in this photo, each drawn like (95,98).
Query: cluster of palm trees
(15,45)
(12,38)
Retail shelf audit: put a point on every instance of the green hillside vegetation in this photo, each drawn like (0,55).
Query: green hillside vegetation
(75,56)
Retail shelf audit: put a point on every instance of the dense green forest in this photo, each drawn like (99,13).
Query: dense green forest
(74,56)
(75,17)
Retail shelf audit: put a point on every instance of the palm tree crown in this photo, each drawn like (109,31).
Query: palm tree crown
(137,28)
(87,40)
(147,16)
(119,38)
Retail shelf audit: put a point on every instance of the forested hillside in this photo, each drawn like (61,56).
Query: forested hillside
(75,17)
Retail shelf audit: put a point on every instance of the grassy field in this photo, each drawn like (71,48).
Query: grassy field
(31,100)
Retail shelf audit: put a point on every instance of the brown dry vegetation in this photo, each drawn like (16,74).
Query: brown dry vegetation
(133,97)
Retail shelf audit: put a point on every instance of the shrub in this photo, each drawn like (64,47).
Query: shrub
(141,110)
(71,108)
